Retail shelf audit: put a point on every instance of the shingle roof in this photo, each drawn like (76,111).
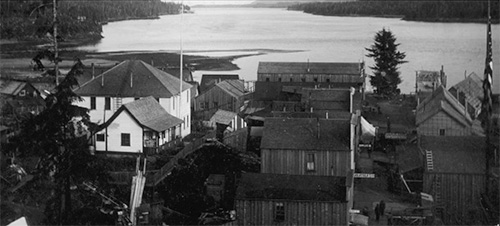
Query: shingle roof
(409,157)
(11,87)
(210,80)
(314,68)
(442,100)
(472,87)
(456,154)
(223,117)
(235,88)
(302,134)
(148,113)
(291,187)
(133,78)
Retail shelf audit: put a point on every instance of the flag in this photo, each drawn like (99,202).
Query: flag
(487,106)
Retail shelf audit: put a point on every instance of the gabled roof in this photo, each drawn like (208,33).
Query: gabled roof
(223,117)
(310,68)
(442,100)
(472,88)
(302,134)
(148,113)
(235,88)
(11,87)
(456,154)
(133,78)
(258,186)
(210,80)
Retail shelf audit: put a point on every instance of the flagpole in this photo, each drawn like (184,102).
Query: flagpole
(487,102)
(181,68)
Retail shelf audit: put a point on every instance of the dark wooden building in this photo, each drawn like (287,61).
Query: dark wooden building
(226,95)
(273,77)
(18,98)
(454,175)
(306,146)
(277,199)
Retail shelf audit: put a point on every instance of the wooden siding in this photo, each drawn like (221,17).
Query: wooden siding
(261,212)
(223,99)
(327,163)
(310,78)
(459,195)
(439,121)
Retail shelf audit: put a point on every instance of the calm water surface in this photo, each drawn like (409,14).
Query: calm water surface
(459,47)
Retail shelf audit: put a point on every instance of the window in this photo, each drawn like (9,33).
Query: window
(327,80)
(107,103)
(92,103)
(303,79)
(291,79)
(22,93)
(267,79)
(279,211)
(136,98)
(216,104)
(100,137)
(442,132)
(315,79)
(125,139)
(279,79)
(310,165)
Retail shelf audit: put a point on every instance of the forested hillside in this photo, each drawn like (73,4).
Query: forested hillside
(433,10)
(25,19)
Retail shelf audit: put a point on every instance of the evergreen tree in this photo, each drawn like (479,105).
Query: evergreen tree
(387,58)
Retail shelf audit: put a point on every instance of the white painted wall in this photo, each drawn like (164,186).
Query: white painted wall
(124,123)
(99,115)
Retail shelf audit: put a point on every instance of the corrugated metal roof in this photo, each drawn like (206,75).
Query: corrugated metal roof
(133,78)
(291,187)
(235,88)
(11,87)
(302,134)
(149,113)
(472,87)
(309,68)
(456,154)
(442,100)
(223,117)
(210,80)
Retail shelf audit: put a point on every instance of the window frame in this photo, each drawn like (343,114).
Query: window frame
(107,103)
(442,132)
(279,212)
(125,140)
(92,103)
(310,162)
(100,135)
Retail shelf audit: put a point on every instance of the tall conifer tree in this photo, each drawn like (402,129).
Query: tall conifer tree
(384,51)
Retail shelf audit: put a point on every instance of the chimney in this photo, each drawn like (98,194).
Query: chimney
(308,69)
(131,79)
(317,127)
(102,82)
(93,70)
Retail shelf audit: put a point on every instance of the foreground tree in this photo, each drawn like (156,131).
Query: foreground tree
(384,51)
(59,139)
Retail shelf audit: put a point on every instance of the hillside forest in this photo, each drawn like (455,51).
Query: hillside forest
(32,20)
(430,11)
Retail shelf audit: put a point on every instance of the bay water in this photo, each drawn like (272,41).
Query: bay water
(269,34)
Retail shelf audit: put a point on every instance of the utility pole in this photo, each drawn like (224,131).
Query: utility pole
(181,71)
(56,52)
